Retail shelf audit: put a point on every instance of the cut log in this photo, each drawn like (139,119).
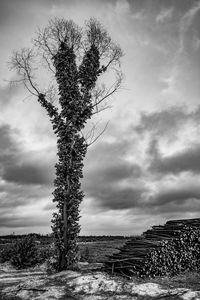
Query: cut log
(131,258)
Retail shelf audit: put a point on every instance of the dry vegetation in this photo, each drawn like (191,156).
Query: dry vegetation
(87,282)
(97,251)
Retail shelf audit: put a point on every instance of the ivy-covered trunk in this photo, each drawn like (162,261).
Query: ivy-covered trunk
(68,196)
(76,108)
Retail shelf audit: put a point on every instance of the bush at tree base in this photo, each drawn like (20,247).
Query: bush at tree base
(174,256)
(25,253)
(6,253)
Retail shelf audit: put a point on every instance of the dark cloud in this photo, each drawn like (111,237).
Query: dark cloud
(169,125)
(175,39)
(111,179)
(176,195)
(116,198)
(187,160)
(177,202)
(13,195)
(117,171)
(21,9)
(27,173)
(7,143)
(117,183)
(104,178)
(25,179)
(166,122)
(6,94)
(23,221)
(19,166)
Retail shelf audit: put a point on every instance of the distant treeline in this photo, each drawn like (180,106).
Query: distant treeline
(21,236)
(49,237)
(93,238)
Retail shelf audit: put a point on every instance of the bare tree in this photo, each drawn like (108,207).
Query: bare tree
(76,58)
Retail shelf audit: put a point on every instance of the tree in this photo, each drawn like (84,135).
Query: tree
(77,58)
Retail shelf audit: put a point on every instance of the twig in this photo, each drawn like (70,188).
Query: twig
(98,136)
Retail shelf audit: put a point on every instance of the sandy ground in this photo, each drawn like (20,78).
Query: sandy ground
(81,285)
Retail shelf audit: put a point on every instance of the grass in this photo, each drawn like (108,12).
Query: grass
(187,280)
(90,251)
(97,251)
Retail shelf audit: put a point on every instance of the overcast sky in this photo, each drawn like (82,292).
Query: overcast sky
(146,168)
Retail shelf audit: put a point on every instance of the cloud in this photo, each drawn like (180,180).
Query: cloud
(20,166)
(196,43)
(171,136)
(14,195)
(111,179)
(186,21)
(116,198)
(165,121)
(131,171)
(121,176)
(164,15)
(10,10)
(170,168)
(175,198)
(186,160)
(6,93)
(24,216)
(122,7)
(26,181)
(26,174)
(175,124)
(24,222)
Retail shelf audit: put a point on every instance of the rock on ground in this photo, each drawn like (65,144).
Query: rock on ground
(86,284)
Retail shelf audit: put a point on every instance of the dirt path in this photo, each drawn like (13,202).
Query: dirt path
(30,284)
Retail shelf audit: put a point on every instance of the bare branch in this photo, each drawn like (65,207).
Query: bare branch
(58,30)
(47,60)
(47,43)
(97,35)
(98,110)
(51,93)
(99,135)
(100,95)
(90,134)
(22,62)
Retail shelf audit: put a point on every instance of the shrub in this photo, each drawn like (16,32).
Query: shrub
(25,253)
(174,256)
(45,252)
(6,253)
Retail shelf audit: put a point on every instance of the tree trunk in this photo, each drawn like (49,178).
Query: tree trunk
(64,261)
(65,212)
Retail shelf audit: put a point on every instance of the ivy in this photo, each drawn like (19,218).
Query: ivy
(75,87)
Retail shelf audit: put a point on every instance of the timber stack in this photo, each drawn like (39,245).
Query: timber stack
(130,259)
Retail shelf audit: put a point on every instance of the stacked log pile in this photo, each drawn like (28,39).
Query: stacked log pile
(131,258)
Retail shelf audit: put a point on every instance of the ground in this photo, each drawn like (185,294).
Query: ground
(89,283)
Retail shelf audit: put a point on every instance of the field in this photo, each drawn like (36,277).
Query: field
(91,248)
(97,251)
(88,282)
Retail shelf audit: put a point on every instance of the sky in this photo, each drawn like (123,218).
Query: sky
(145,168)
